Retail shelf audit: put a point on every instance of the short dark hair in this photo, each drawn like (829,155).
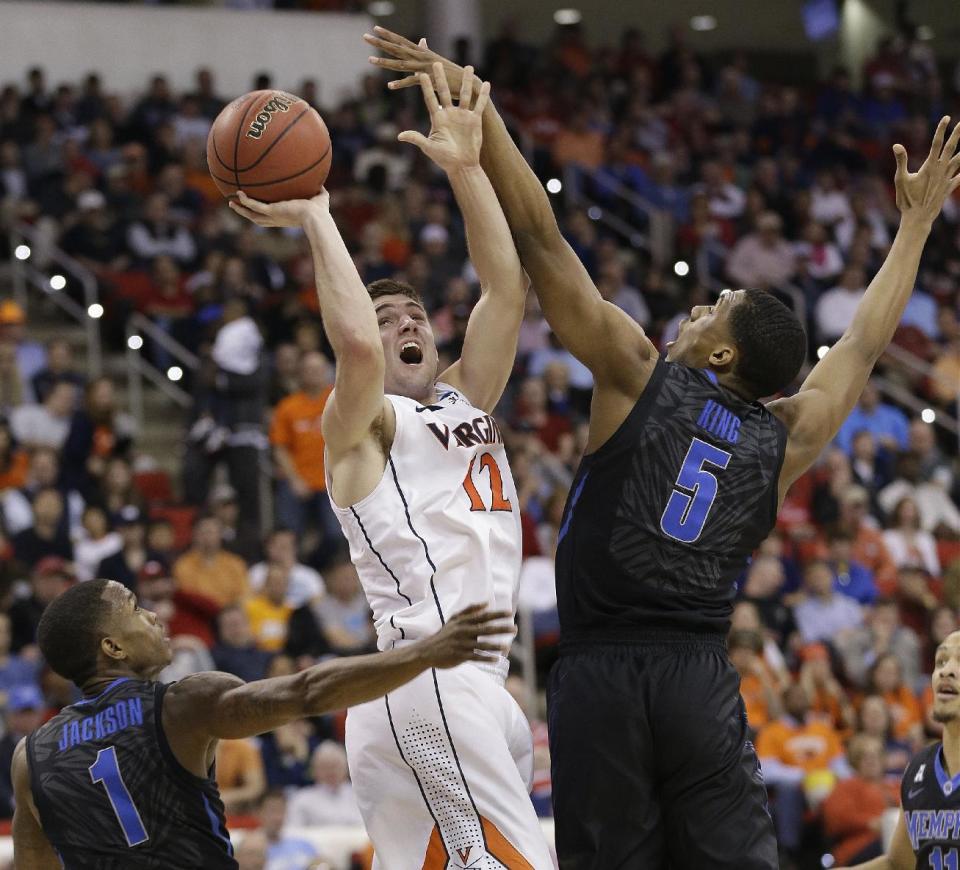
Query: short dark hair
(771,343)
(69,632)
(390,287)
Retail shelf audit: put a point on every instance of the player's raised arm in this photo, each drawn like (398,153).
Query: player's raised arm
(598,333)
(831,390)
(454,143)
(357,400)
(218,705)
(31,848)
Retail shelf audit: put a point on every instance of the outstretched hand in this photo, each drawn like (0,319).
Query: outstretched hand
(411,58)
(460,639)
(921,194)
(292,213)
(455,132)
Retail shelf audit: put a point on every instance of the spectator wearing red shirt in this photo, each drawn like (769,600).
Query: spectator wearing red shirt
(182,612)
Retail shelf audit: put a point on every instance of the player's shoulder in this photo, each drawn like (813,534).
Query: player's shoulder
(204,687)
(921,769)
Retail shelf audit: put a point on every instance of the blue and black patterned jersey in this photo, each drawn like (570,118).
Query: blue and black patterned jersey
(662,519)
(930,798)
(112,796)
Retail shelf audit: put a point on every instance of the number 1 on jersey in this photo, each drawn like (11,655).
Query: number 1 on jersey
(106,769)
(939,861)
(498,501)
(695,490)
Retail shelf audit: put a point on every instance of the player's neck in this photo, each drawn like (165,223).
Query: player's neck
(96,684)
(732,383)
(951,747)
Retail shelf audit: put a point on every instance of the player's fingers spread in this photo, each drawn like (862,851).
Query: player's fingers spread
(440,78)
(483,98)
(936,146)
(466,87)
(468,612)
(489,647)
(429,97)
(949,150)
(393,37)
(900,154)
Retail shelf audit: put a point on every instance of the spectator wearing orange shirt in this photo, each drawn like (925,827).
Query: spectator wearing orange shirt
(886,680)
(14,464)
(827,698)
(268,611)
(207,569)
(853,812)
(868,546)
(801,756)
(298,449)
(757,687)
(578,145)
(240,774)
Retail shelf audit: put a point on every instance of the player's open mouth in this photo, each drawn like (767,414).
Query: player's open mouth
(411,354)
(947,693)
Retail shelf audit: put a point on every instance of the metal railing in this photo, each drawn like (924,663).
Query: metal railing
(26,276)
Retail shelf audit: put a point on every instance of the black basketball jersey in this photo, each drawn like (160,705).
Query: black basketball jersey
(662,519)
(111,794)
(930,798)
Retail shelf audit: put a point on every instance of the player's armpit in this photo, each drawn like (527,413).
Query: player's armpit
(814,415)
(31,848)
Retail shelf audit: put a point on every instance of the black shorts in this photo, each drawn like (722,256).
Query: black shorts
(652,764)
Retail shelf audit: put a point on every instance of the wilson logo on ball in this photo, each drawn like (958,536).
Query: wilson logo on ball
(277,104)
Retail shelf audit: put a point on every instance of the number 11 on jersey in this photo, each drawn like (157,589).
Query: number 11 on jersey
(941,861)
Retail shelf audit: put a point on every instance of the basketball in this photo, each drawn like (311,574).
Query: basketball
(270,144)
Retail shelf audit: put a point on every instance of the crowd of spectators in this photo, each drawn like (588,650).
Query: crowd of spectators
(755,183)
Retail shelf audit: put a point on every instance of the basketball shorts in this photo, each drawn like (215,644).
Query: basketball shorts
(651,762)
(441,769)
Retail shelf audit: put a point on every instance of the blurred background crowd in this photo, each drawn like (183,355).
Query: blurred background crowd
(673,176)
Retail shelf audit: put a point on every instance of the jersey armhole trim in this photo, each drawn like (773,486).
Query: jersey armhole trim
(187,777)
(782,437)
(638,412)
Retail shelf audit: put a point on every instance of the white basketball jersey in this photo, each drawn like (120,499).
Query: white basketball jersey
(441,530)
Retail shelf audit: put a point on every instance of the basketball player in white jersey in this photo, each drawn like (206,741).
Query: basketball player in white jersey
(418,476)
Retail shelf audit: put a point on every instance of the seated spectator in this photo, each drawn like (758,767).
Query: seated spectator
(874,719)
(937,511)
(882,634)
(95,542)
(96,238)
(282,851)
(906,542)
(827,698)
(50,577)
(853,812)
(47,424)
(15,669)
(918,596)
(156,233)
(888,425)
(850,577)
(868,546)
(802,756)
(184,614)
(761,696)
(97,432)
(240,774)
(746,617)
(330,800)
(339,621)
(48,535)
(823,614)
(886,680)
(25,712)
(869,464)
(14,462)
(577,144)
(532,412)
(613,287)
(60,367)
(286,752)
(763,589)
(763,258)
(269,612)
(29,356)
(236,651)
(304,584)
(117,491)
(934,466)
(239,535)
(208,569)
(43,473)
(124,565)
(835,309)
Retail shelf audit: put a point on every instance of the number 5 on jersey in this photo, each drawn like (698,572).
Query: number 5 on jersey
(498,502)
(694,492)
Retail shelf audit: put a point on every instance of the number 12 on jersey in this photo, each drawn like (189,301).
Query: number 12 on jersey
(694,492)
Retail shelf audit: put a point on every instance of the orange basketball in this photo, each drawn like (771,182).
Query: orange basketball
(271,145)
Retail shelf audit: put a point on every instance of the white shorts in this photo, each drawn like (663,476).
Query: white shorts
(441,769)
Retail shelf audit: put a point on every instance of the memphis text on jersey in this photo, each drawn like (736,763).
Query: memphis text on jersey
(124,714)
